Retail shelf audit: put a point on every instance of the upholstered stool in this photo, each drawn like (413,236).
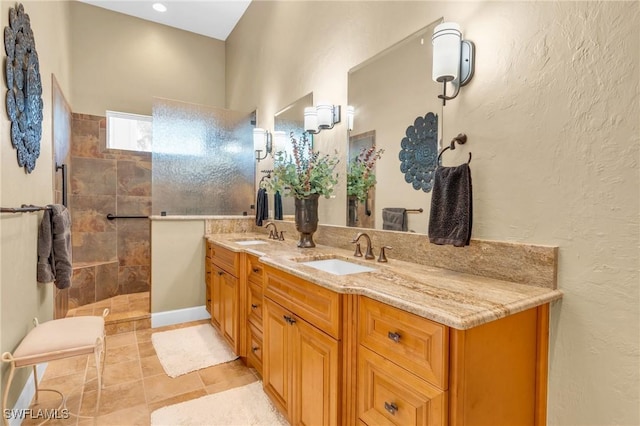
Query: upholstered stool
(58,339)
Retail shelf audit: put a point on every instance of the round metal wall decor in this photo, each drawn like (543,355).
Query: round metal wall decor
(24,88)
(419,152)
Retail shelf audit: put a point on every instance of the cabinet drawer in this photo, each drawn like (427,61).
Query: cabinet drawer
(415,343)
(254,352)
(254,270)
(254,302)
(317,305)
(390,395)
(226,259)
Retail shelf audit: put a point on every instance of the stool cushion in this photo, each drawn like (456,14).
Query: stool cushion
(59,338)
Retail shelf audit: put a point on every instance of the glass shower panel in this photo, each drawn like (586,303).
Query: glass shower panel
(203,160)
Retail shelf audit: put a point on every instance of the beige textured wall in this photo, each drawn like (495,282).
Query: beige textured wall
(21,297)
(120,63)
(553,122)
(177,264)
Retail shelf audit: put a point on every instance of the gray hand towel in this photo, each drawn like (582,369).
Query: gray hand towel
(394,219)
(54,247)
(451,206)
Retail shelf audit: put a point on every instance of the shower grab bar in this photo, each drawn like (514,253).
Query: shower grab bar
(63,167)
(112,217)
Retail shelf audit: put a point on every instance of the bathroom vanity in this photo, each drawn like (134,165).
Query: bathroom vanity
(399,344)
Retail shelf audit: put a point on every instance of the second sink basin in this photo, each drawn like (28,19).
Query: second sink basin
(249,242)
(338,266)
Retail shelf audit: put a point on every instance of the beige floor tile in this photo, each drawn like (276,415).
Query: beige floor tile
(132,416)
(121,339)
(122,372)
(146,349)
(177,399)
(222,372)
(68,385)
(162,386)
(151,366)
(233,382)
(64,367)
(114,398)
(145,335)
(122,354)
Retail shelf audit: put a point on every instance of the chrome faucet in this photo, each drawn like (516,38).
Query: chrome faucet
(273,233)
(369,251)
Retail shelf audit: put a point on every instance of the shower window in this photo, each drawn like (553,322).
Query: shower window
(131,132)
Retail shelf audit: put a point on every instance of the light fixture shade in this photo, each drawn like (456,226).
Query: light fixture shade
(446,39)
(310,119)
(279,141)
(351,112)
(259,139)
(325,115)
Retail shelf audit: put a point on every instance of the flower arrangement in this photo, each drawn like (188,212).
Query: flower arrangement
(360,175)
(305,172)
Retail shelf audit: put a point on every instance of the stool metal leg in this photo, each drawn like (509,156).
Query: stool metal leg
(6,357)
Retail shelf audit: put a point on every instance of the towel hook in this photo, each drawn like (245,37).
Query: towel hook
(461,139)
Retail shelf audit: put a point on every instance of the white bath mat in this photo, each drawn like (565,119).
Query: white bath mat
(188,349)
(246,405)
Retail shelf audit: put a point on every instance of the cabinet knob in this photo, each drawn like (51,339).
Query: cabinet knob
(220,273)
(288,319)
(394,336)
(255,349)
(391,407)
(256,270)
(254,306)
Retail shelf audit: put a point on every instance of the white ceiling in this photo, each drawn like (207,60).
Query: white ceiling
(211,18)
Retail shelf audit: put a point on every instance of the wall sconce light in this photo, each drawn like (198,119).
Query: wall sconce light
(453,58)
(323,116)
(351,112)
(261,140)
(280,140)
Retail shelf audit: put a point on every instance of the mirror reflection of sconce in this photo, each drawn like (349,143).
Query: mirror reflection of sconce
(453,58)
(322,116)
(262,141)
(351,112)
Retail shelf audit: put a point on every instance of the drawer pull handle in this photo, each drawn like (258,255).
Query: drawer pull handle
(394,336)
(288,319)
(392,408)
(254,306)
(256,270)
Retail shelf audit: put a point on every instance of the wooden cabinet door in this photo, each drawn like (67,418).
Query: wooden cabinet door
(315,376)
(229,296)
(276,359)
(216,296)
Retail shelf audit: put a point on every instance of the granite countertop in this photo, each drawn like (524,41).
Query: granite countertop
(455,299)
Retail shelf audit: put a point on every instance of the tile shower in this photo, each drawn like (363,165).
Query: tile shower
(110,258)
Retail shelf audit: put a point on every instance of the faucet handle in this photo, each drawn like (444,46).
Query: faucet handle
(271,234)
(383,258)
(281,238)
(358,252)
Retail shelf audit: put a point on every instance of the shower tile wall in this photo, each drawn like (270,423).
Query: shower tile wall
(109,257)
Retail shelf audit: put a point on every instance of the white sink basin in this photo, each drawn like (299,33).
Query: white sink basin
(250,242)
(338,266)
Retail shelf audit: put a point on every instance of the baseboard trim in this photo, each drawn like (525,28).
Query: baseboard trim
(178,316)
(26,396)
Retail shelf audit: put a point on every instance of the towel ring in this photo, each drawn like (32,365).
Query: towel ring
(461,139)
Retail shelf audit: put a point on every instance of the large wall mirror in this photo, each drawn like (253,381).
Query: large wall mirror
(389,93)
(290,119)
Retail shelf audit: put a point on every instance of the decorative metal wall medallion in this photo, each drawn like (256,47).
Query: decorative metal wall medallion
(24,88)
(419,152)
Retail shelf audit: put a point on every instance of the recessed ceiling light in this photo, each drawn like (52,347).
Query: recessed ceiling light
(159,7)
